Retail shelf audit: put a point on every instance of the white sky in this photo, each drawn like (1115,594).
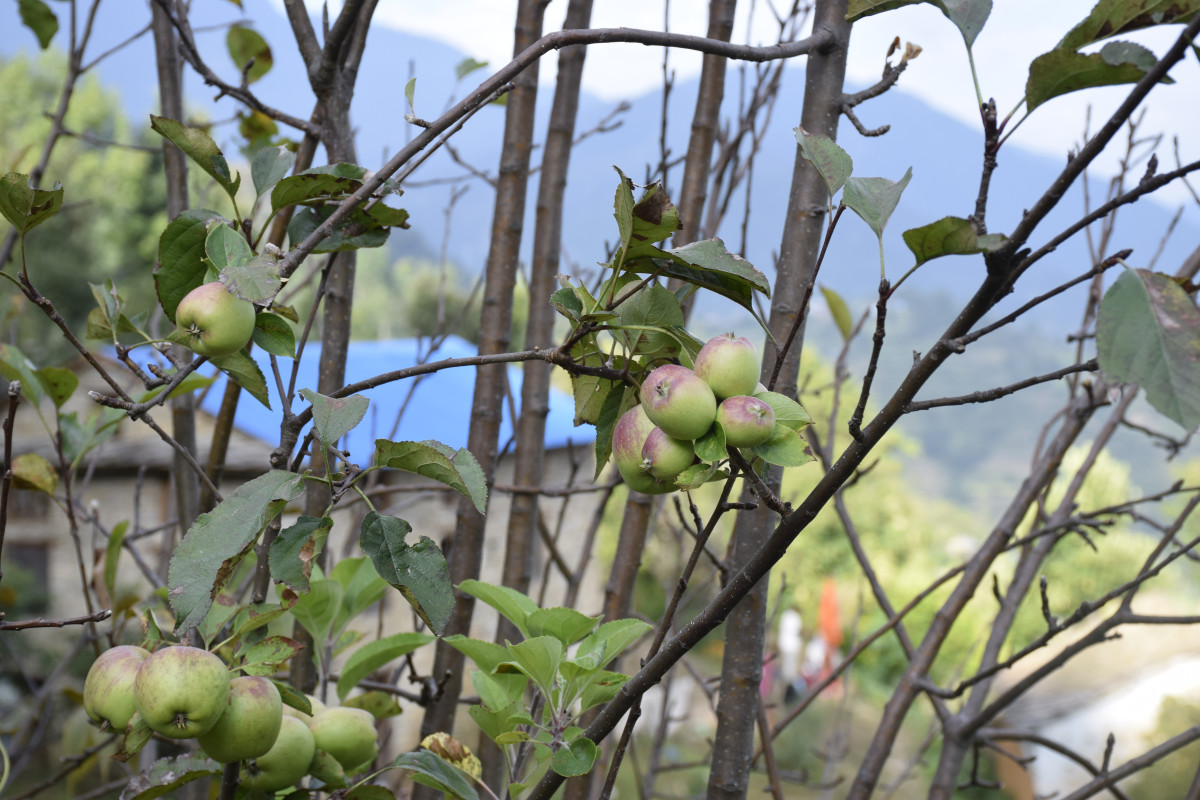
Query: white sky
(1017,31)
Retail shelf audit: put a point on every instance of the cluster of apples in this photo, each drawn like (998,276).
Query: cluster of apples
(653,442)
(186,692)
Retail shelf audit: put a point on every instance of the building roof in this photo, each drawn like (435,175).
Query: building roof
(435,406)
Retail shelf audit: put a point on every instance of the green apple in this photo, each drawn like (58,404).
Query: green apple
(212,321)
(181,691)
(285,763)
(108,687)
(747,421)
(664,457)
(679,402)
(629,438)
(347,734)
(729,365)
(248,726)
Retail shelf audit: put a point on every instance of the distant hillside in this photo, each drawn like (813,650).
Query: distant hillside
(944,156)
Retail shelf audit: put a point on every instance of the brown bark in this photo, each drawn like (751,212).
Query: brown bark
(183,408)
(332,72)
(466,544)
(693,192)
(520,548)
(741,670)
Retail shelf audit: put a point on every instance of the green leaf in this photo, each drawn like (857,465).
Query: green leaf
(346,235)
(334,417)
(575,758)
(432,771)
(488,656)
(380,705)
(788,412)
(513,605)
(223,609)
(362,584)
(200,148)
(711,446)
(273,334)
(38,17)
(374,655)
(181,257)
(257,615)
(832,162)
(706,265)
(620,398)
(269,166)
(246,45)
(467,66)
(652,306)
(471,475)
(326,769)
(292,697)
(14,366)
(612,638)
(24,206)
(709,265)
(225,248)
(785,448)
(317,185)
(949,236)
(874,199)
(697,475)
(256,279)
(167,775)
(419,571)
(294,550)
(839,311)
(501,690)
(565,624)
(653,218)
(112,556)
(567,303)
(539,658)
(218,539)
(591,392)
(1113,17)
(265,658)
(1060,72)
(80,437)
(245,372)
(968,16)
(623,208)
(499,724)
(317,610)
(604,687)
(59,382)
(457,469)
(1148,333)
(410,90)
(33,472)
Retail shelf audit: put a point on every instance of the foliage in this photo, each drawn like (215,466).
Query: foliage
(119,244)
(251,580)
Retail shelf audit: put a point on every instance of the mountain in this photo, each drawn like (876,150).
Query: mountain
(940,150)
(944,155)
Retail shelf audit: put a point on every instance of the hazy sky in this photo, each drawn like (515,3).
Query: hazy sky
(1017,31)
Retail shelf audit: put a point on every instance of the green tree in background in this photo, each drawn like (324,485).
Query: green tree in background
(104,161)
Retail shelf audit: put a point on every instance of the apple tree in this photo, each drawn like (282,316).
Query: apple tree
(223,673)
